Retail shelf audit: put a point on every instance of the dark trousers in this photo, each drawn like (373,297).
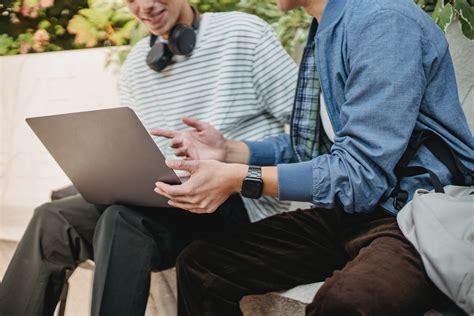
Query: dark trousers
(125,243)
(369,268)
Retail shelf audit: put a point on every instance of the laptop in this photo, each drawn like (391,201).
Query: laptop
(107,154)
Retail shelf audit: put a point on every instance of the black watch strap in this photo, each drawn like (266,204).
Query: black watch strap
(254,172)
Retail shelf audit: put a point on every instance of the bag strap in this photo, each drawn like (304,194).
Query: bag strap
(437,146)
(460,173)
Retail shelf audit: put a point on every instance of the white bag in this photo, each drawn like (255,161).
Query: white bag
(441,228)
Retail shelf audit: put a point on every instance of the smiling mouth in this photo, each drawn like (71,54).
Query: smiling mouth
(154,19)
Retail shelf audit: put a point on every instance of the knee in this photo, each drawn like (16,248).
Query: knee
(119,221)
(338,299)
(50,229)
(48,219)
(111,216)
(109,219)
(191,257)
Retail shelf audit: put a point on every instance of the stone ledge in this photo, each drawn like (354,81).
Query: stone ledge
(291,302)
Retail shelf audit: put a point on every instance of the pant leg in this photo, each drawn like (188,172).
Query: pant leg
(129,243)
(386,276)
(58,237)
(273,254)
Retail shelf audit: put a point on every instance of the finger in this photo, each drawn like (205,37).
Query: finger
(163,132)
(180,199)
(197,124)
(187,165)
(183,200)
(186,206)
(181,152)
(176,142)
(172,191)
(183,174)
(161,192)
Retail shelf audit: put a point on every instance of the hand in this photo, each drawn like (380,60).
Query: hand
(210,184)
(203,142)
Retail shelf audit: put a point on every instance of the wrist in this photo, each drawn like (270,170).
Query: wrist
(235,152)
(227,147)
(239,172)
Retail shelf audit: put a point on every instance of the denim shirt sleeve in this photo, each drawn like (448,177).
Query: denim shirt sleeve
(383,91)
(270,151)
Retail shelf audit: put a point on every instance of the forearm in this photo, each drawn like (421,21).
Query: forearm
(236,152)
(270,181)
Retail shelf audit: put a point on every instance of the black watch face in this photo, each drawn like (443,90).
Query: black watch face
(252,188)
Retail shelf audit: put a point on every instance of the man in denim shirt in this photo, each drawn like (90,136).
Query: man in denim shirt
(374,72)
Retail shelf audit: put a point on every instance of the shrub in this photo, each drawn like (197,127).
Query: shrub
(28,26)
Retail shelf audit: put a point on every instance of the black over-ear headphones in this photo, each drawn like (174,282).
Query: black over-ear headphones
(181,41)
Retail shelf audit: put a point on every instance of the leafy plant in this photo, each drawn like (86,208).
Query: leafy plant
(46,25)
(104,24)
(444,12)
(37,25)
(8,46)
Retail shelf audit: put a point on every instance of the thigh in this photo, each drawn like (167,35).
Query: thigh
(386,277)
(168,229)
(276,253)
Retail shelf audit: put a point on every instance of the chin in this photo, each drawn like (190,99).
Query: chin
(156,31)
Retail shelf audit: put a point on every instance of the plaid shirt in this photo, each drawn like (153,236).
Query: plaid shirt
(307,133)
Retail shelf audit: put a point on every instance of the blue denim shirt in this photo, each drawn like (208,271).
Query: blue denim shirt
(385,72)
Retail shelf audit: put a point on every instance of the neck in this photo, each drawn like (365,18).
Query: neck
(186,16)
(315,8)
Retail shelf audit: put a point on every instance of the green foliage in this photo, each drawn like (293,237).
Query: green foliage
(8,46)
(103,24)
(21,21)
(444,12)
(47,25)
(215,6)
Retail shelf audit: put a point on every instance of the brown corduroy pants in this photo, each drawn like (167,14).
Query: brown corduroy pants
(368,266)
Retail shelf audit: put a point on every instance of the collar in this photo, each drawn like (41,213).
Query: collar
(312,32)
(332,13)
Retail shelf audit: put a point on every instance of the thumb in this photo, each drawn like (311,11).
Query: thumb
(187,165)
(197,124)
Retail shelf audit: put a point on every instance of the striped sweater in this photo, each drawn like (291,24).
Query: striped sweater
(238,78)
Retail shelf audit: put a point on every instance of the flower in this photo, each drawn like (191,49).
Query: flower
(40,40)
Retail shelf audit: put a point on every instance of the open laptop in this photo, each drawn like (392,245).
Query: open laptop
(107,154)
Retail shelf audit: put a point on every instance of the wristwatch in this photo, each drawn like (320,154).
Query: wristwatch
(252,187)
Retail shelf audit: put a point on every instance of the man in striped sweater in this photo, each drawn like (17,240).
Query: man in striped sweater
(239,79)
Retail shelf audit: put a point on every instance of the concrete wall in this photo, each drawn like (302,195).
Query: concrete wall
(462,52)
(36,85)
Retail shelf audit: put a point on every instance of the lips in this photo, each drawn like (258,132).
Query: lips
(155,19)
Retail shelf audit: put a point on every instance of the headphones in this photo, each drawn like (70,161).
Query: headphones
(181,41)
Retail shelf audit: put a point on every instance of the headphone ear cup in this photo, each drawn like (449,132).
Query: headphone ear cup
(159,56)
(182,39)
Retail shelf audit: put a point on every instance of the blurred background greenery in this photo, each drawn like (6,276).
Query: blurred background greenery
(29,26)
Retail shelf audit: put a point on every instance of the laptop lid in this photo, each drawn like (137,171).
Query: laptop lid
(107,154)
